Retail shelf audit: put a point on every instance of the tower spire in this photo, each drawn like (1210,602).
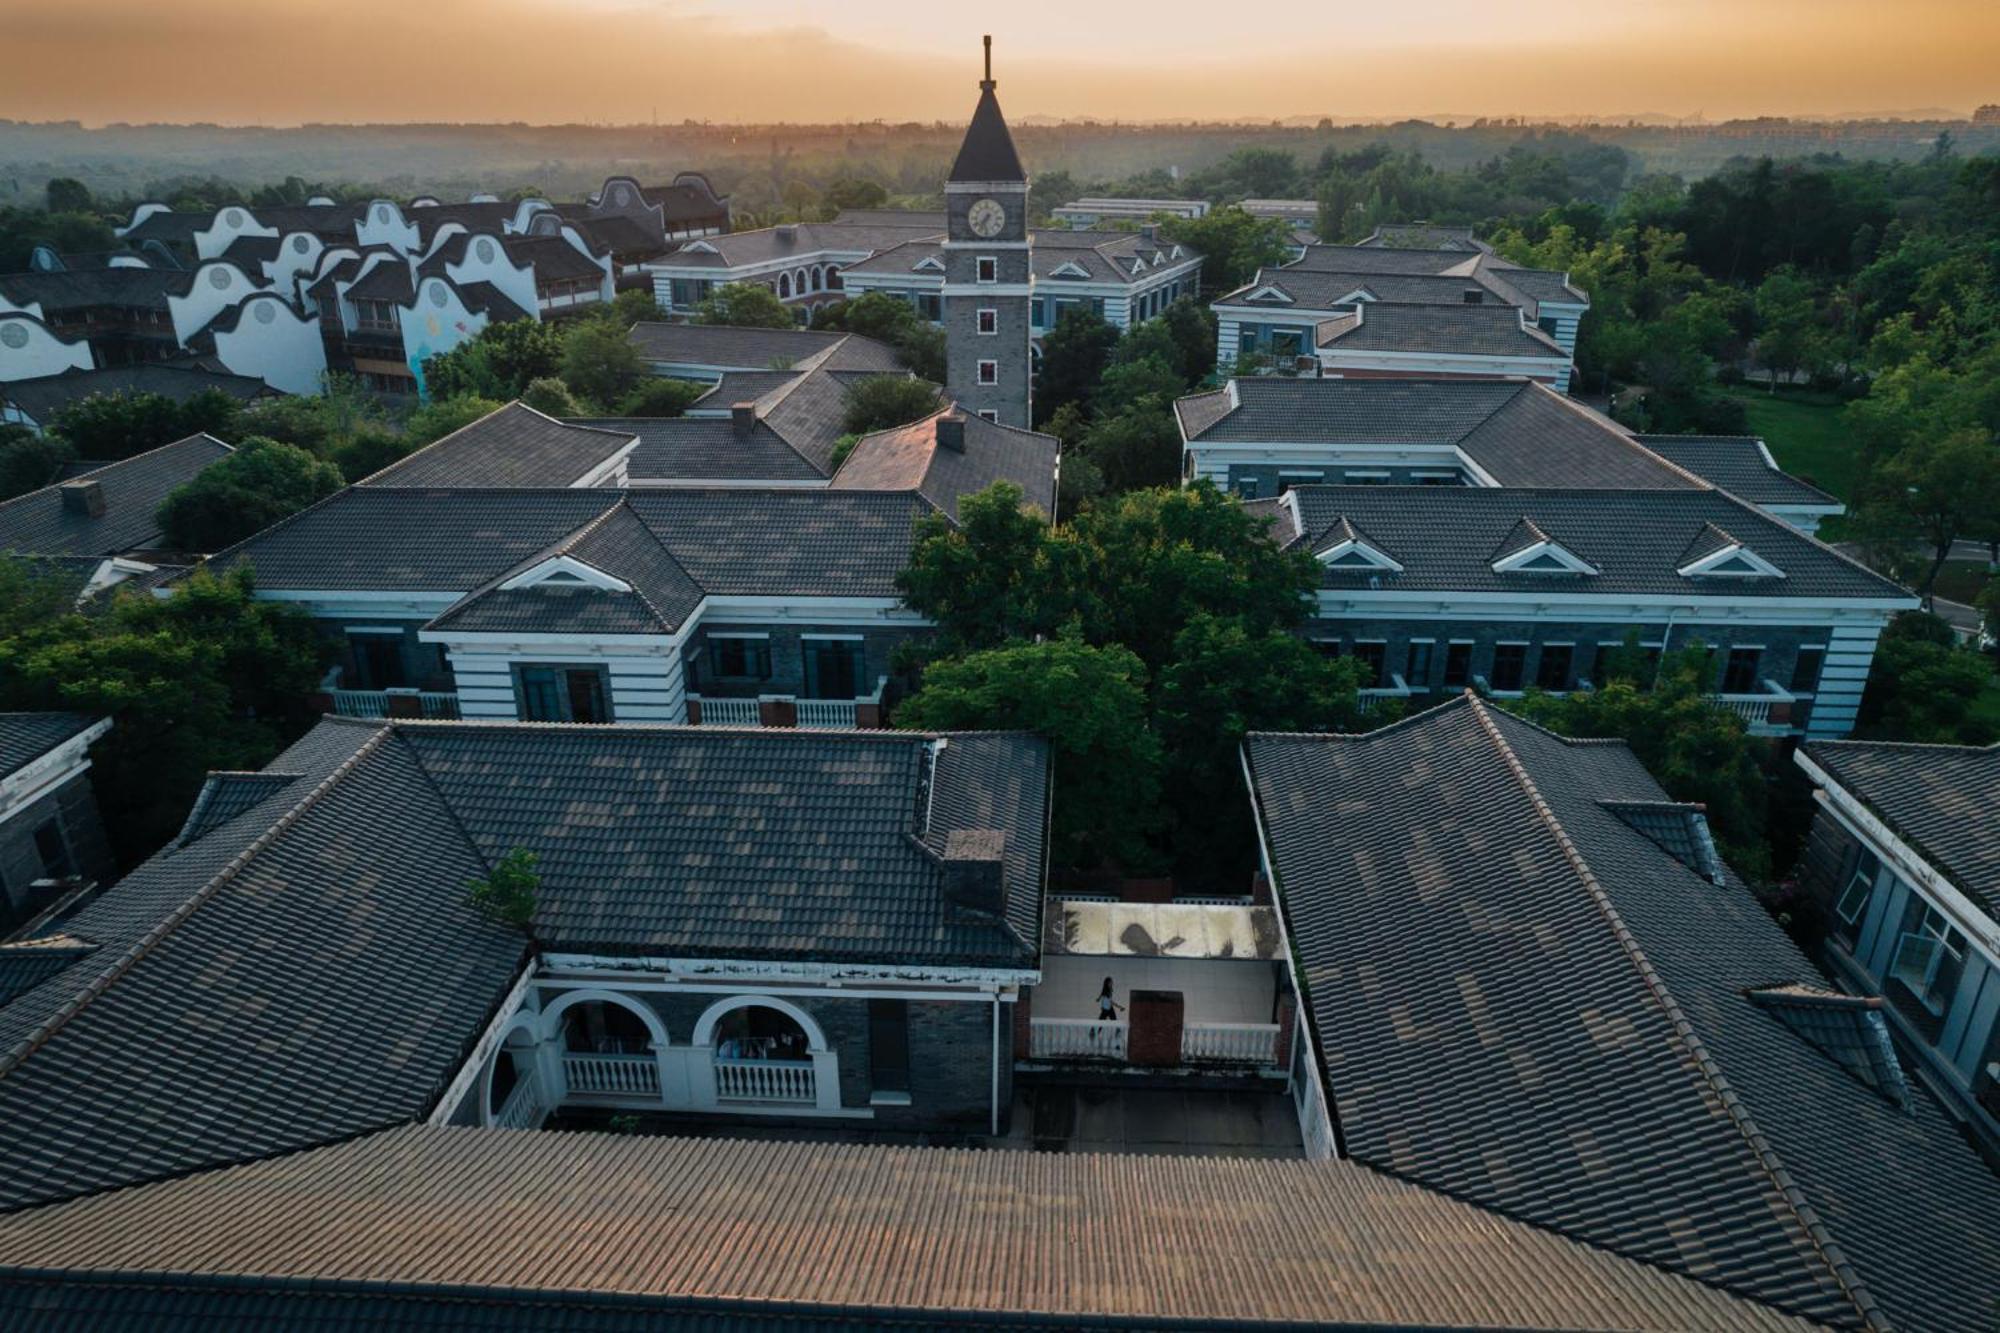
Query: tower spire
(986,84)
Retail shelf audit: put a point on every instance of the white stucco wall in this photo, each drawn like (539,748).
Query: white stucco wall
(277,345)
(217,286)
(433,326)
(30,349)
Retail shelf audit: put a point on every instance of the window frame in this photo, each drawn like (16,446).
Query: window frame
(1460,649)
(986,321)
(987,374)
(986,269)
(1517,658)
(1567,652)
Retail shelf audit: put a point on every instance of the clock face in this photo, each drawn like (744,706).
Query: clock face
(986,218)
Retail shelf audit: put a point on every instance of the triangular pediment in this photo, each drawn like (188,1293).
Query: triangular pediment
(1529,550)
(928,264)
(565,571)
(1069,268)
(1715,554)
(1344,548)
(1268,295)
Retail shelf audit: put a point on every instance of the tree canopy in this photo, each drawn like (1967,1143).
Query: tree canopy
(744,305)
(262,482)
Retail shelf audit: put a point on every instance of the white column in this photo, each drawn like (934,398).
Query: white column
(826,1080)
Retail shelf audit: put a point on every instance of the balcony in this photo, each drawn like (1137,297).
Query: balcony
(1397,688)
(787,710)
(770,1081)
(1769,711)
(589,1075)
(398,702)
(1061,1040)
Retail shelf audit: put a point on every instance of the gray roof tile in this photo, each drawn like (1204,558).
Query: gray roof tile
(1739,465)
(1462,330)
(909,458)
(39,523)
(510,446)
(1940,799)
(26,737)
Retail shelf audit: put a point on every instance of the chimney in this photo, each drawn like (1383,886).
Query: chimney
(975,870)
(84,496)
(951,432)
(1151,231)
(742,418)
(786,232)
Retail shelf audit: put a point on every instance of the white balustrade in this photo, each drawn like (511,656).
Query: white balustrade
(361,703)
(1077,1039)
(765,1081)
(831,713)
(1755,709)
(523,1108)
(1229,1043)
(439,704)
(590,1075)
(727,712)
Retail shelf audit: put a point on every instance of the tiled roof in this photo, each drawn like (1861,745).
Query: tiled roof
(696,841)
(26,737)
(1525,1002)
(1517,432)
(1460,330)
(1446,538)
(987,152)
(727,347)
(398,1230)
(553,258)
(620,235)
(510,446)
(306,971)
(810,412)
(387,281)
(1425,236)
(40,523)
(910,458)
(1520,286)
(801,240)
(742,386)
(1942,800)
(1316,289)
(42,397)
(660,600)
(707,449)
(484,298)
(1104,256)
(1738,464)
(800,542)
(83,289)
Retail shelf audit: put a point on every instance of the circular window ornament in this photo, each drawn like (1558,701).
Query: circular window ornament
(437,295)
(382,214)
(265,312)
(622,197)
(484,250)
(218,278)
(301,244)
(232,217)
(14,336)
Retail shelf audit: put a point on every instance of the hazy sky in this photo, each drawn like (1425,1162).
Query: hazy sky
(287,61)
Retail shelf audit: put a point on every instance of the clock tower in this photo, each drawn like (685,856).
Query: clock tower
(987,269)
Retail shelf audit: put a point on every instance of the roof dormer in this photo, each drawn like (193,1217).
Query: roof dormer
(1344,548)
(566,571)
(1714,554)
(928,264)
(1529,550)
(1268,295)
(1069,268)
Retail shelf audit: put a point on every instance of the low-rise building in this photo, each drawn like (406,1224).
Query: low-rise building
(1529,981)
(108,510)
(1273,322)
(52,842)
(1904,866)
(799,262)
(34,403)
(1092,210)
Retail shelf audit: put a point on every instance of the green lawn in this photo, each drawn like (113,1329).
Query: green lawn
(1805,435)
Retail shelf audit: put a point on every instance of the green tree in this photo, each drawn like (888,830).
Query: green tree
(1696,748)
(31,594)
(28,461)
(744,305)
(1074,355)
(1090,704)
(507,893)
(1130,450)
(599,363)
(209,678)
(68,195)
(262,482)
(1924,687)
(1232,244)
(879,402)
(441,416)
(110,426)
(1932,493)
(1191,325)
(636,306)
(1786,322)
(500,363)
(994,576)
(551,397)
(660,398)
(848,192)
(892,320)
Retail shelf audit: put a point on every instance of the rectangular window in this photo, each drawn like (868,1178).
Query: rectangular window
(1510,661)
(1852,905)
(930,305)
(1436,478)
(988,268)
(1929,958)
(1285,342)
(1246,487)
(1038,313)
(834,668)
(1806,668)
(564,694)
(1331,649)
(989,372)
(988,320)
(1552,668)
(53,849)
(740,657)
(1417,664)
(1374,659)
(1246,340)
(1457,663)
(1287,480)
(1370,477)
(1739,671)
(889,1045)
(989,414)
(378,661)
(1547,324)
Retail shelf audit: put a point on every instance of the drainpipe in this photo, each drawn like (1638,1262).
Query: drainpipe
(993,1097)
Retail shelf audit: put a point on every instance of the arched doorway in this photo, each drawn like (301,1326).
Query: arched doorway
(513,1089)
(609,1044)
(598,1027)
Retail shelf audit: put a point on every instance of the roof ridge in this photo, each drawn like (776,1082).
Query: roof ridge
(11,1059)
(624,506)
(1817,1232)
(108,464)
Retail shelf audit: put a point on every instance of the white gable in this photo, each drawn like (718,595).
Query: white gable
(566,571)
(1735,561)
(1543,557)
(1355,554)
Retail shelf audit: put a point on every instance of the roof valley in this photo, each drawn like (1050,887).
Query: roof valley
(1766,1155)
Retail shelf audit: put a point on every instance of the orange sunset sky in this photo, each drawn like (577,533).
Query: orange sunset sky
(289,61)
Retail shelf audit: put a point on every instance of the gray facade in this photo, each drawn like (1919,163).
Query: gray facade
(986,285)
(784,659)
(1261,481)
(57,836)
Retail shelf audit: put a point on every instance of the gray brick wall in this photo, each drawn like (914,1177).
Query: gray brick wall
(788,669)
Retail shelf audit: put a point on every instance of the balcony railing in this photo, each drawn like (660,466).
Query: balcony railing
(375,703)
(591,1075)
(1397,688)
(1768,711)
(727,712)
(523,1108)
(835,713)
(825,714)
(1229,1043)
(789,1081)
(1077,1039)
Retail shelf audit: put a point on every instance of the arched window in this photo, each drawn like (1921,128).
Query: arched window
(770,1023)
(818,277)
(602,1022)
(799,282)
(513,1064)
(832,278)
(784,285)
